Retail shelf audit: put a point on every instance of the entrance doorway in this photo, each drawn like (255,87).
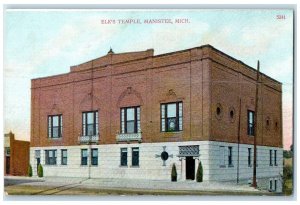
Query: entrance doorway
(7,165)
(190,168)
(38,161)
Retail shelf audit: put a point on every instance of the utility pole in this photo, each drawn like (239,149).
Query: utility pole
(90,137)
(239,136)
(254,184)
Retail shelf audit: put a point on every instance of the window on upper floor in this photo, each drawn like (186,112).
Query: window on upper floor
(171,117)
(130,120)
(250,123)
(50,157)
(90,123)
(55,126)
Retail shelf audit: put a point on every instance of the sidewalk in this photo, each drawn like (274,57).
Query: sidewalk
(133,184)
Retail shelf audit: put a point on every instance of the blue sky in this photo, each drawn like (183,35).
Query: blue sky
(40,43)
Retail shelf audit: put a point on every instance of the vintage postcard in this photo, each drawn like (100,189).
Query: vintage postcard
(154,102)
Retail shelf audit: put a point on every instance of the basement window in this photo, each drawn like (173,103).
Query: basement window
(135,157)
(84,156)
(64,157)
(94,157)
(249,158)
(50,157)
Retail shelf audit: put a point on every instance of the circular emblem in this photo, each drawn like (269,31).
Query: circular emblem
(172,125)
(164,155)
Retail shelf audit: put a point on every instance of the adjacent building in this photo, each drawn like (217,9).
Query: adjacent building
(134,115)
(16,156)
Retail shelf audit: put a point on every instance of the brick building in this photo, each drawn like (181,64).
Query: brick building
(16,156)
(134,114)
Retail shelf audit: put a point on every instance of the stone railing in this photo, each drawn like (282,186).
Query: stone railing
(123,137)
(88,139)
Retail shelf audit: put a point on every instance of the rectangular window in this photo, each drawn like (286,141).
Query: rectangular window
(271,157)
(230,157)
(50,157)
(222,156)
(123,156)
(55,126)
(275,185)
(90,123)
(249,157)
(130,120)
(84,156)
(251,123)
(275,157)
(94,157)
(135,156)
(271,185)
(7,151)
(171,117)
(64,157)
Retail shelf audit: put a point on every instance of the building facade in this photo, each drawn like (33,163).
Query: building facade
(136,114)
(16,156)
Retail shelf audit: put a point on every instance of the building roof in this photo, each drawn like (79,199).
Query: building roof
(112,58)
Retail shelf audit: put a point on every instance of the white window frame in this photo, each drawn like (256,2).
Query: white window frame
(222,156)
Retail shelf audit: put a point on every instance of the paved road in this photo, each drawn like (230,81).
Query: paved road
(58,185)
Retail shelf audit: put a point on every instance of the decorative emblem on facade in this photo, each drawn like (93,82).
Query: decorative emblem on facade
(171,92)
(130,91)
(54,109)
(164,155)
(189,151)
(87,101)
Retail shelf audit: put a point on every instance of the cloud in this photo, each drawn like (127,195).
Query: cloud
(71,43)
(281,69)
(246,40)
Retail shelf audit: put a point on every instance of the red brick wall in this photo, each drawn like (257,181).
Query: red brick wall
(139,78)
(19,157)
(231,81)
